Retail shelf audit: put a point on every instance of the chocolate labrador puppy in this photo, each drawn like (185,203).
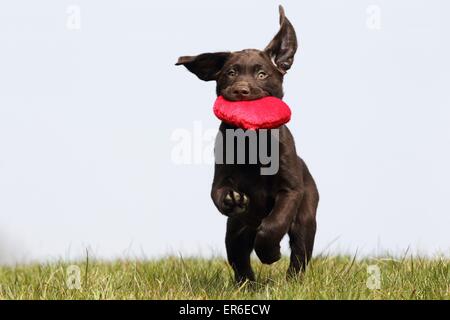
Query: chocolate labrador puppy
(261,209)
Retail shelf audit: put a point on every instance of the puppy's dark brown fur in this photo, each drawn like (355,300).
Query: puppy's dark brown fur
(261,209)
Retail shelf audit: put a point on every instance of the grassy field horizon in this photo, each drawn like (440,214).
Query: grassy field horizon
(334,277)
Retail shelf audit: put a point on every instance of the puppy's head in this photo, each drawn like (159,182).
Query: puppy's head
(248,74)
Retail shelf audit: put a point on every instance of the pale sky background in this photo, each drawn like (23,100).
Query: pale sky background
(86,118)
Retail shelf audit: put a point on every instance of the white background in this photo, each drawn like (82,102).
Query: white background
(86,118)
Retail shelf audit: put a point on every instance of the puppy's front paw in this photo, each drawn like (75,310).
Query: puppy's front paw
(234,203)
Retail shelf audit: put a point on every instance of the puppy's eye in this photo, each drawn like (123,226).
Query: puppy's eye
(231,73)
(261,75)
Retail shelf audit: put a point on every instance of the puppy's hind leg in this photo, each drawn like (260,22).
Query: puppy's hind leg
(302,231)
(239,242)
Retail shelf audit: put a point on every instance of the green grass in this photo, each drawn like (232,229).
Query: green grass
(176,278)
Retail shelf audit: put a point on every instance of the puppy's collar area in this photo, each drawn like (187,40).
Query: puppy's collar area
(264,113)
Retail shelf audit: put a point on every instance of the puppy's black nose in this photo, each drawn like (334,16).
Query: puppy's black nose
(241,91)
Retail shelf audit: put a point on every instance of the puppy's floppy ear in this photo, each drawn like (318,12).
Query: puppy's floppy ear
(205,66)
(284,45)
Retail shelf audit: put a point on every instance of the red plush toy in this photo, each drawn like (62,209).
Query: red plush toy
(264,113)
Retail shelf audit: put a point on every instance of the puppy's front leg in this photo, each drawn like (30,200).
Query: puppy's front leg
(228,200)
(276,225)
